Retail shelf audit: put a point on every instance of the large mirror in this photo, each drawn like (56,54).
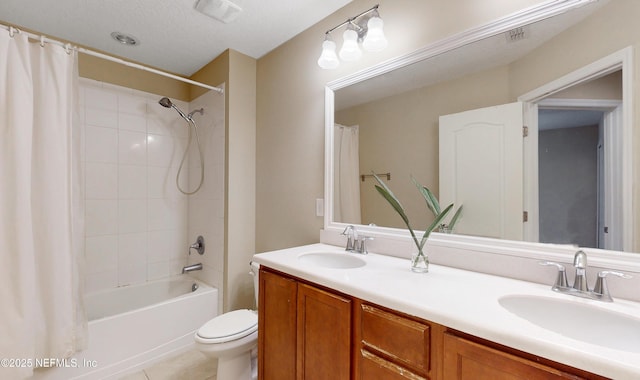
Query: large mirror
(575,180)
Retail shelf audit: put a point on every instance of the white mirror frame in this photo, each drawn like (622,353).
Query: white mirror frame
(603,258)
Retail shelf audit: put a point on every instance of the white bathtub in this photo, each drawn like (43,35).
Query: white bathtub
(133,326)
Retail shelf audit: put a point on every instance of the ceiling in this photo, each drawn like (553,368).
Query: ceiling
(173,35)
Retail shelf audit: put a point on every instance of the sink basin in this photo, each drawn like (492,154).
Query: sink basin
(577,320)
(332,260)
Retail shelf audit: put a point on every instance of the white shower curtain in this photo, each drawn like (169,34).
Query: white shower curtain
(346,189)
(41,218)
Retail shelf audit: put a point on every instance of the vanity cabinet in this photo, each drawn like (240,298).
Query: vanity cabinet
(471,358)
(392,345)
(308,332)
(277,305)
(304,332)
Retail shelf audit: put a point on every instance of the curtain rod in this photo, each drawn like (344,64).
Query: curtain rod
(94,53)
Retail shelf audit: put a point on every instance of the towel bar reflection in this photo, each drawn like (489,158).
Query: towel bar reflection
(364,176)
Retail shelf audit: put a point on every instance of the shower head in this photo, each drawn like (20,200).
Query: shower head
(166,102)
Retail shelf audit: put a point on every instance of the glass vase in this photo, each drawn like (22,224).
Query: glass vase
(419,262)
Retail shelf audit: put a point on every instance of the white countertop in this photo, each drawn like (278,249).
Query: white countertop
(462,300)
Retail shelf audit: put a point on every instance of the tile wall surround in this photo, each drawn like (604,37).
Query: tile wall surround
(138,226)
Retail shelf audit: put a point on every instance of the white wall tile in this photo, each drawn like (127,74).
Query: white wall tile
(132,249)
(163,245)
(99,117)
(158,182)
(101,181)
(132,182)
(132,148)
(158,270)
(137,224)
(101,217)
(167,214)
(133,104)
(132,274)
(100,98)
(129,122)
(132,216)
(101,144)
(100,253)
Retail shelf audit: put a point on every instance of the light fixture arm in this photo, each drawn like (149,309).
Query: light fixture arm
(351,20)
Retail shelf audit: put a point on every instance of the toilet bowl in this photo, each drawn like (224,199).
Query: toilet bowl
(231,338)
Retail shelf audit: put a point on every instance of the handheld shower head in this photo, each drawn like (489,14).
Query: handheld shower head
(166,102)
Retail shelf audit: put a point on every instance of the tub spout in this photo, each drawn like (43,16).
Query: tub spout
(191,268)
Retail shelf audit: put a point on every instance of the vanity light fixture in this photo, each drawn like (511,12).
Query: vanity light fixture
(367,27)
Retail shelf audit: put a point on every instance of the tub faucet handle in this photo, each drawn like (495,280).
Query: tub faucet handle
(198,245)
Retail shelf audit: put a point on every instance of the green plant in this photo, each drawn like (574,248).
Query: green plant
(432,204)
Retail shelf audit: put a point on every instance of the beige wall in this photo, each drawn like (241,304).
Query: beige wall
(238,71)
(290,106)
(241,181)
(110,72)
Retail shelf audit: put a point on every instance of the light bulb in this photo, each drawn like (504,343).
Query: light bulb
(350,50)
(375,39)
(328,58)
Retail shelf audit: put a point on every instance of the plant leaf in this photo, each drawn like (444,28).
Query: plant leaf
(394,203)
(432,201)
(455,218)
(436,222)
(387,194)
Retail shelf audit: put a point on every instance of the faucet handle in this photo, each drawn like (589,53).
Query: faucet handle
(350,233)
(561,278)
(601,284)
(363,244)
(198,245)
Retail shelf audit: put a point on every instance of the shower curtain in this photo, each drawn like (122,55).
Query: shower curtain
(346,189)
(41,218)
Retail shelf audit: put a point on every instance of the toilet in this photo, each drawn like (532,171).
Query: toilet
(232,338)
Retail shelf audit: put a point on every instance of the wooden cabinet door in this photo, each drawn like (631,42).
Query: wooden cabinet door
(324,335)
(277,327)
(464,359)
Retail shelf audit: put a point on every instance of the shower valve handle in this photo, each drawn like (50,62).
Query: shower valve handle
(198,245)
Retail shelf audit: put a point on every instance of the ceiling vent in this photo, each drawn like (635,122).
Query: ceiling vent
(221,10)
(517,34)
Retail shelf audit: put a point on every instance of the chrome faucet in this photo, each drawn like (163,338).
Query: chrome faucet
(580,286)
(191,268)
(355,243)
(580,263)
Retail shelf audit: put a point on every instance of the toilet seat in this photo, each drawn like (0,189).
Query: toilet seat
(228,326)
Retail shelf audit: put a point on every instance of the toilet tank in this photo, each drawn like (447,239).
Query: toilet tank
(255,270)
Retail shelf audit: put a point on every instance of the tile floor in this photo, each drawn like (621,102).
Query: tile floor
(190,365)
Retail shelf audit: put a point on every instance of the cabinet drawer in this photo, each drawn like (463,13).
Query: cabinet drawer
(375,367)
(396,338)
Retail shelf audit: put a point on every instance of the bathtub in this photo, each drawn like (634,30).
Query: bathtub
(133,326)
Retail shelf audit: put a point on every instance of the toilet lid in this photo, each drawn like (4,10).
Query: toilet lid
(229,326)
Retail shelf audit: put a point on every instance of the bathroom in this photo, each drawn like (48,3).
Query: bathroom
(272,169)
